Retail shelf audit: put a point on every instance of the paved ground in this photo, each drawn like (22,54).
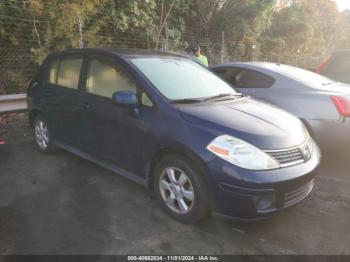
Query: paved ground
(61,204)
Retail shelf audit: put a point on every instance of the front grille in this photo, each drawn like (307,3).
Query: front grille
(297,195)
(287,157)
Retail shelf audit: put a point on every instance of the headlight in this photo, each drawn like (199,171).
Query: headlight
(241,153)
(308,148)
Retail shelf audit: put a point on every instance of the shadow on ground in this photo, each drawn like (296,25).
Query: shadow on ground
(61,204)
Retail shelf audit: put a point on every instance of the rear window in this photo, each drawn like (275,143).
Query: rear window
(68,72)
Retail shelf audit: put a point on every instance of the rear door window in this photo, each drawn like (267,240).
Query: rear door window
(53,71)
(69,72)
(104,78)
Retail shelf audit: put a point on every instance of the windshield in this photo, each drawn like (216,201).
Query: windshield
(304,76)
(181,78)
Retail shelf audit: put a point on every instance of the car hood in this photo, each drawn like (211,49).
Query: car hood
(258,123)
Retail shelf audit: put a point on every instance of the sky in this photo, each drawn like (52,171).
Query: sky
(343,4)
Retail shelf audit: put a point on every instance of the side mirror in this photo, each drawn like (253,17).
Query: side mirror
(125,99)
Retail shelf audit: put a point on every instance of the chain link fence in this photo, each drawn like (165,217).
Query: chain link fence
(23,51)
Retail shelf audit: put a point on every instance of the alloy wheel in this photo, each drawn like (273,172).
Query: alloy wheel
(41,134)
(176,190)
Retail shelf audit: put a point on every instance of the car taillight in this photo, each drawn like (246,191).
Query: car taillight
(322,66)
(342,104)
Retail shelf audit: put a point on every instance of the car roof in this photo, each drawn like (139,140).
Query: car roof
(299,75)
(124,53)
(266,65)
(263,66)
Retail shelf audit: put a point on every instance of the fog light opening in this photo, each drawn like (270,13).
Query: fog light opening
(264,202)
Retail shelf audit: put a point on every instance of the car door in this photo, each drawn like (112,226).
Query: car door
(339,69)
(111,133)
(247,81)
(61,96)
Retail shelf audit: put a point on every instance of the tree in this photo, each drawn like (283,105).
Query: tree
(289,32)
(244,22)
(295,31)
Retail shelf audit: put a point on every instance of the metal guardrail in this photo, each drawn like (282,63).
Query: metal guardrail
(13,103)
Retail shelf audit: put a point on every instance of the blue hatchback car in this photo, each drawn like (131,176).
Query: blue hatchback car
(171,125)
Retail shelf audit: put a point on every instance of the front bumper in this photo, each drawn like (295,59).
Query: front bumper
(247,194)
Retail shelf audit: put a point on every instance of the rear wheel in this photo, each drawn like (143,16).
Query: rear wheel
(181,189)
(43,136)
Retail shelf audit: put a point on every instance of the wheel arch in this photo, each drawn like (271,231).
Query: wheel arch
(32,115)
(178,150)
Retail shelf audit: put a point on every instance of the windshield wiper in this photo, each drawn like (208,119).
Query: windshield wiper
(229,95)
(186,101)
(205,99)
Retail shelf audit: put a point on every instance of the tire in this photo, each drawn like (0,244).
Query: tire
(42,136)
(175,194)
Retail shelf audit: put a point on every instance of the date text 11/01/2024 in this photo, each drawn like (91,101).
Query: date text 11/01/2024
(173,258)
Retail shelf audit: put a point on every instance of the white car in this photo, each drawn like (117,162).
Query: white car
(322,104)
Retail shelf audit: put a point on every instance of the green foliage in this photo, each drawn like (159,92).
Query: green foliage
(244,23)
(302,32)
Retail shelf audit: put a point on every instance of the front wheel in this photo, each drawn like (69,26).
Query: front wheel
(181,189)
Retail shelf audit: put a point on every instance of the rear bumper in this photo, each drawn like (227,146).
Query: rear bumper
(250,195)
